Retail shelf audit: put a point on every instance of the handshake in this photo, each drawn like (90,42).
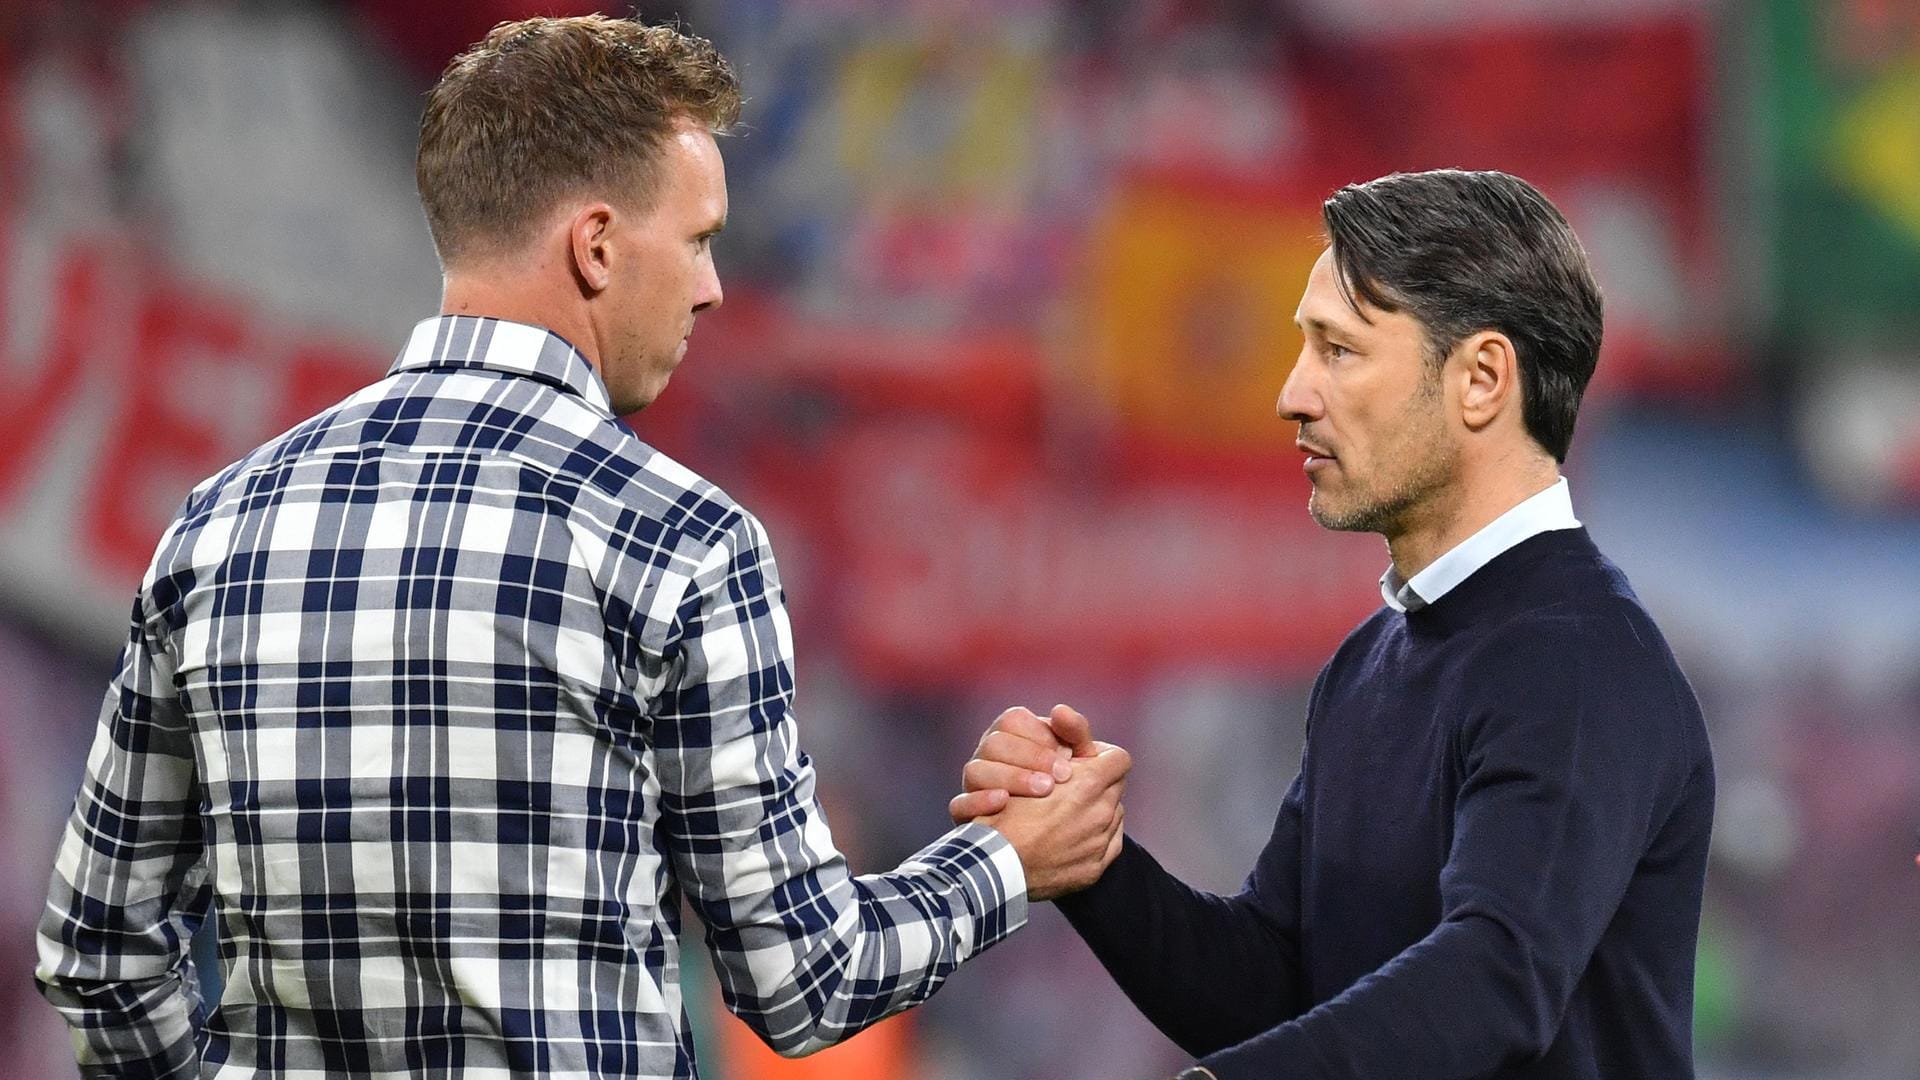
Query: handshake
(1053,792)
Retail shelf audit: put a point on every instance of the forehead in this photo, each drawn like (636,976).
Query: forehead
(1324,305)
(692,171)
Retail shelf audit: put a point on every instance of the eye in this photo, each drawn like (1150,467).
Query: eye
(1335,350)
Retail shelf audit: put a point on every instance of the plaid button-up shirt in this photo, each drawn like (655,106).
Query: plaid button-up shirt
(446,696)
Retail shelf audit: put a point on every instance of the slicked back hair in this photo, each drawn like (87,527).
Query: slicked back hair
(1463,252)
(545,108)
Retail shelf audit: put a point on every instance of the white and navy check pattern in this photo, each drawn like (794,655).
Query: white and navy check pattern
(446,697)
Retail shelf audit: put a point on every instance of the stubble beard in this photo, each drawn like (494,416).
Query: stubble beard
(1430,461)
(1382,514)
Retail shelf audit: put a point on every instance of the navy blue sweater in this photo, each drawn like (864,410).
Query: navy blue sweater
(1490,864)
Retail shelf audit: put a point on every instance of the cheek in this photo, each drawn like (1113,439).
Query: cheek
(646,288)
(1412,438)
(1386,426)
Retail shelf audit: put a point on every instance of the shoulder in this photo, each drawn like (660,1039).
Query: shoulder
(1596,633)
(627,505)
(325,433)
(661,493)
(1594,659)
(210,510)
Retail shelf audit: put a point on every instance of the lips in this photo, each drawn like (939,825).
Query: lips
(1311,450)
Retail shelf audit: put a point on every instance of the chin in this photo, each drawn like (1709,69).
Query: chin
(633,403)
(1335,518)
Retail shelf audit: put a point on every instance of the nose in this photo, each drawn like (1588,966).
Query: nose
(709,295)
(1300,399)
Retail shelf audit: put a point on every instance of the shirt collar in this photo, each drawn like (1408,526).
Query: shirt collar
(471,342)
(1547,511)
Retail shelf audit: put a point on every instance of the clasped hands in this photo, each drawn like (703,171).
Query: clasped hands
(1053,792)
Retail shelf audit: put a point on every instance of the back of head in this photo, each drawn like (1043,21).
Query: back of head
(546,108)
(1469,251)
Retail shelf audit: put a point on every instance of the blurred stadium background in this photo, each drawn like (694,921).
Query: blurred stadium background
(1009,287)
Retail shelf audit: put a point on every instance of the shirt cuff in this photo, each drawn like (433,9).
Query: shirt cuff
(986,869)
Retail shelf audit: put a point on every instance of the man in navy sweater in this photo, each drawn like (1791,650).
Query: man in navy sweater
(1490,863)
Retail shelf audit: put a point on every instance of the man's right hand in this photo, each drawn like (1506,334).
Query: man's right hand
(1021,754)
(1068,829)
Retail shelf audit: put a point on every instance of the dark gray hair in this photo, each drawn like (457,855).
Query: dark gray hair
(1468,251)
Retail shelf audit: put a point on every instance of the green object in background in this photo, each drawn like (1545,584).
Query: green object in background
(1716,990)
(1840,99)
(700,991)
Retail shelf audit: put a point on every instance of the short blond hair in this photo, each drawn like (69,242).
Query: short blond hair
(544,108)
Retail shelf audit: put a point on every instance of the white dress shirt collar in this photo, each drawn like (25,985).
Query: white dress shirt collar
(1549,510)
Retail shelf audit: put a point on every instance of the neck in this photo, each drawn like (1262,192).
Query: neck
(522,300)
(1463,508)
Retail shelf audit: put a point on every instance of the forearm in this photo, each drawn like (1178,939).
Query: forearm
(1464,1001)
(143,1029)
(1207,970)
(128,886)
(872,946)
(807,954)
(123,985)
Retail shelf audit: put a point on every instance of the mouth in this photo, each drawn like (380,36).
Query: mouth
(1317,458)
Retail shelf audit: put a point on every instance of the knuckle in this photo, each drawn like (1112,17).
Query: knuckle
(973,775)
(997,742)
(1012,749)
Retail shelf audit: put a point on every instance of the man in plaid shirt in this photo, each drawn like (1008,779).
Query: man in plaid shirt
(445,697)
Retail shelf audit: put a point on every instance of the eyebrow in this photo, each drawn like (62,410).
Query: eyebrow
(1321,326)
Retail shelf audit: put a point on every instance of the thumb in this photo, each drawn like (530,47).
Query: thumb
(1073,730)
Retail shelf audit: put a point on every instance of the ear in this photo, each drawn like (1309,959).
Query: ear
(1492,377)
(588,234)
